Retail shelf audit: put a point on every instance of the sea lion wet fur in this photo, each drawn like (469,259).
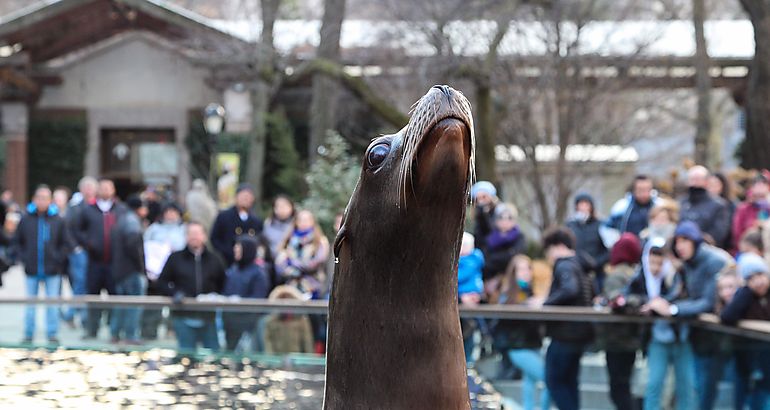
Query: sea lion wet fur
(394,338)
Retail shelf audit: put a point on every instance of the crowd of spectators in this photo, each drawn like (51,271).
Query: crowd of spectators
(665,256)
(653,255)
(150,245)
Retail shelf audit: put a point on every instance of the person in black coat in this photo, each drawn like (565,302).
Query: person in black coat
(246,278)
(752,357)
(128,270)
(42,243)
(589,246)
(710,213)
(570,287)
(235,221)
(190,272)
(94,232)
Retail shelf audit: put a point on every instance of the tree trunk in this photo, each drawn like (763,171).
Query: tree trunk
(324,103)
(485,137)
(702,85)
(260,98)
(756,147)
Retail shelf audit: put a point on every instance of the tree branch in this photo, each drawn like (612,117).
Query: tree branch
(356,85)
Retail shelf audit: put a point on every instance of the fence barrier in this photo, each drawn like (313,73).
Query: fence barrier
(755,329)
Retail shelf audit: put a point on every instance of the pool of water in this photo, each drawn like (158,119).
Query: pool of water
(158,378)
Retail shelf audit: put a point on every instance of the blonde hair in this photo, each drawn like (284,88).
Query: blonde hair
(668,206)
(506,208)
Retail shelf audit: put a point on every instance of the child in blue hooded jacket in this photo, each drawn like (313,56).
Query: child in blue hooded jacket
(469,287)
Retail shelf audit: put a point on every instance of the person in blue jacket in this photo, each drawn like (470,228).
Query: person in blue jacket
(42,244)
(469,287)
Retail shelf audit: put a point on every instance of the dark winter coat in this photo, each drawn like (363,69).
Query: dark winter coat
(589,242)
(42,242)
(570,287)
(751,356)
(710,213)
(127,247)
(90,232)
(500,248)
(619,336)
(516,334)
(187,275)
(746,305)
(483,223)
(73,219)
(245,278)
(228,226)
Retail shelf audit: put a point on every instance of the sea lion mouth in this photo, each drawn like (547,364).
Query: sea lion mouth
(439,104)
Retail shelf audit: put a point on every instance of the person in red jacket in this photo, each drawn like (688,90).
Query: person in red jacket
(754,209)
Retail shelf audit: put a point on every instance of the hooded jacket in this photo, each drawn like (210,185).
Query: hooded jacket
(698,273)
(469,273)
(42,241)
(245,278)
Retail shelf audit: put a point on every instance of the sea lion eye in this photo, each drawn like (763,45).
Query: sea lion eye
(377,155)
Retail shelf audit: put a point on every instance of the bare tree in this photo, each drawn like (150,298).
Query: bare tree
(702,85)
(756,147)
(324,103)
(261,94)
(561,98)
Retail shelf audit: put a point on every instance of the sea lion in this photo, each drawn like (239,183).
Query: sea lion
(394,339)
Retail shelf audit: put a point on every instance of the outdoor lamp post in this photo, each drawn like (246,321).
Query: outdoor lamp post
(213,122)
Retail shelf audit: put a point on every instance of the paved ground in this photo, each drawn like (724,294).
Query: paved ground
(12,323)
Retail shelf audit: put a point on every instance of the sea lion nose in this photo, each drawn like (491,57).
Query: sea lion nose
(444,89)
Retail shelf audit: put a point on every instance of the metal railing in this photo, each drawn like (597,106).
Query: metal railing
(754,329)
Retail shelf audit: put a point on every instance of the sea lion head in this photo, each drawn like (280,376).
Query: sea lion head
(427,164)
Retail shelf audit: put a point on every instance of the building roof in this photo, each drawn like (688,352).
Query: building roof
(53,28)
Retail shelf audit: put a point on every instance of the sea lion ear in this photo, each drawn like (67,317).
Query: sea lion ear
(341,236)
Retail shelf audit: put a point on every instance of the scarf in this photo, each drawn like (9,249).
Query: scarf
(498,239)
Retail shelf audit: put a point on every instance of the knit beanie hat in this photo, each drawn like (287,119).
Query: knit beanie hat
(626,250)
(483,186)
(750,264)
(469,240)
